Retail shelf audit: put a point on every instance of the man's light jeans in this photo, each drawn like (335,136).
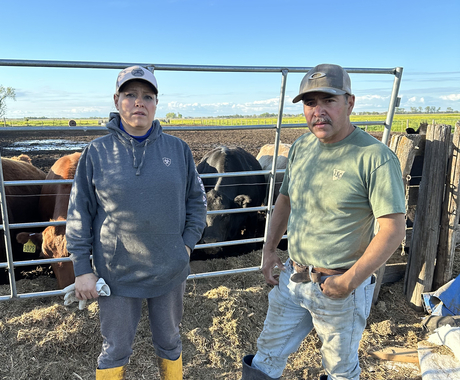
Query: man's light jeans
(295,309)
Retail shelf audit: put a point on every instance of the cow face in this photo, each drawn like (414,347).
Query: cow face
(35,238)
(52,243)
(224,227)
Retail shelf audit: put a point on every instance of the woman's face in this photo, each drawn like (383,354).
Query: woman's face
(137,104)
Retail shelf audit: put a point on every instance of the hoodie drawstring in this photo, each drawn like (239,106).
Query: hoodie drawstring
(134,152)
(138,172)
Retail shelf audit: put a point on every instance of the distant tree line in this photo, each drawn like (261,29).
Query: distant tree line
(427,109)
(369,113)
(173,115)
(399,110)
(56,118)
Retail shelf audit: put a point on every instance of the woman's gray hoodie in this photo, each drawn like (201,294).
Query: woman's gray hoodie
(134,206)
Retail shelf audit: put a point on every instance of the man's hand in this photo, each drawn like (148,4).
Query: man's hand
(381,247)
(269,262)
(85,286)
(334,287)
(276,229)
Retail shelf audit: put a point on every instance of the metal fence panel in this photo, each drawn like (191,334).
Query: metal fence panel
(6,227)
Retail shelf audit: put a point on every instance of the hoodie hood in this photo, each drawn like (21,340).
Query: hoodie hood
(137,148)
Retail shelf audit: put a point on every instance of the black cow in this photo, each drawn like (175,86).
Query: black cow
(229,193)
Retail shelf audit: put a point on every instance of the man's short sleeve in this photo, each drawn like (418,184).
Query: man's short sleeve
(386,189)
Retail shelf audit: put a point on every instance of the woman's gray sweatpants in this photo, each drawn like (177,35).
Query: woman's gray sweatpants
(120,316)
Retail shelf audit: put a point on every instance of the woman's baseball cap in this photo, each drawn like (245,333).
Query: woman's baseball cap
(136,72)
(331,79)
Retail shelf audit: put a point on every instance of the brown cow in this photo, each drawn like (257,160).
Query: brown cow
(21,203)
(23,158)
(53,206)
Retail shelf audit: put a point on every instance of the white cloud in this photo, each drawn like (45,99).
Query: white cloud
(370,102)
(414,99)
(85,110)
(271,102)
(366,98)
(453,97)
(221,108)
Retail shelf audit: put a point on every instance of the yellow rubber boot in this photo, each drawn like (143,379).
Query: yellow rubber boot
(117,373)
(170,369)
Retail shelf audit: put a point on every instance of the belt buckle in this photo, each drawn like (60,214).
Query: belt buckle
(306,275)
(302,277)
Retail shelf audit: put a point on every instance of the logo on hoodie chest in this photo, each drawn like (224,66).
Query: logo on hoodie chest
(166,161)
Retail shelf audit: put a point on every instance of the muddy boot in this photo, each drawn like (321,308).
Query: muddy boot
(117,373)
(170,369)
(250,373)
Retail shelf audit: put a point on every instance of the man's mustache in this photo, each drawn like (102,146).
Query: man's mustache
(322,120)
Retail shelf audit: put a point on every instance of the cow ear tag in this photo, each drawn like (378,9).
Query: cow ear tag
(29,247)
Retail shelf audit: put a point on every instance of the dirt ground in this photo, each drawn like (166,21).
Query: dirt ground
(43,339)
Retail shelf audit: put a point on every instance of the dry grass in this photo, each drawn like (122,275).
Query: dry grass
(42,339)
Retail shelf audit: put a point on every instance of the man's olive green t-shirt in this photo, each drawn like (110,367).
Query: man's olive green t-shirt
(336,192)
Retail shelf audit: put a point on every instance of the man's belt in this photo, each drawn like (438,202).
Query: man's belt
(303,273)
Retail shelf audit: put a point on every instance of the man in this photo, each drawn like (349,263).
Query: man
(338,181)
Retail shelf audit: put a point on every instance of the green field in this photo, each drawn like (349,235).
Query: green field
(400,121)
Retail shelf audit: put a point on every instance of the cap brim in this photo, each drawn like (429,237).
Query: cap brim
(135,78)
(326,90)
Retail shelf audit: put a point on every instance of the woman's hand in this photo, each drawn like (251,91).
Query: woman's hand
(85,286)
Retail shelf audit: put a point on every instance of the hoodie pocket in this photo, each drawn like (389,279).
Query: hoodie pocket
(145,260)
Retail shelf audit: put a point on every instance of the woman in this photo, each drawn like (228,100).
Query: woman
(139,207)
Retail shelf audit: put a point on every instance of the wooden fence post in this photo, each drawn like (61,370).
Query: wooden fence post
(449,218)
(405,148)
(425,235)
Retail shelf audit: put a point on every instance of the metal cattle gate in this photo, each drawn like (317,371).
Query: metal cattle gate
(6,227)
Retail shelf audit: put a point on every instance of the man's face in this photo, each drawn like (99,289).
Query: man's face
(137,104)
(328,116)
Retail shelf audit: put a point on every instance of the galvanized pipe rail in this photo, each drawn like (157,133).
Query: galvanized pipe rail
(397,72)
(174,67)
(174,128)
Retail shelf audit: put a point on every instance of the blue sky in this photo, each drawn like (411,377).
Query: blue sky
(422,36)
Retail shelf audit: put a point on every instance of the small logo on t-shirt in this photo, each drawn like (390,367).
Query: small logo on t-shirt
(337,174)
(166,161)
